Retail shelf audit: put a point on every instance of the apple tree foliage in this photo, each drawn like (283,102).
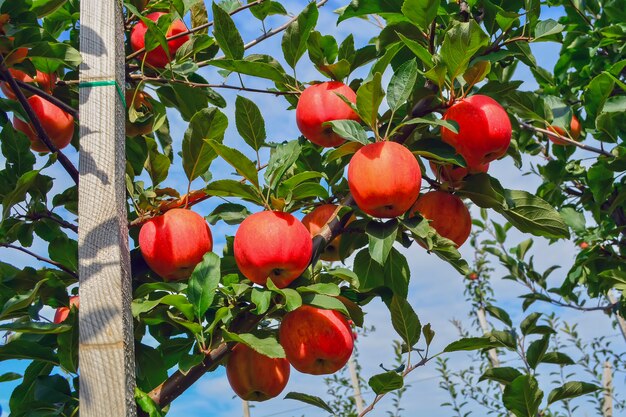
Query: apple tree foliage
(432,52)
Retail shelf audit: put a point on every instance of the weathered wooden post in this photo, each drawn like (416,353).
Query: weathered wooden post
(107,370)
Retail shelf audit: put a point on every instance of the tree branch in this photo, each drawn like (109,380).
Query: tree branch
(50,215)
(566,139)
(162,80)
(40,258)
(65,162)
(196,29)
(52,99)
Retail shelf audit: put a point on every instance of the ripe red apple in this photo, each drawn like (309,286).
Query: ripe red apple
(315,220)
(447,213)
(139,100)
(384,179)
(45,81)
(473,276)
(62,312)
(256,377)
(454,174)
(319,104)
(58,124)
(174,243)
(574,131)
(316,341)
(484,130)
(583,245)
(272,244)
(158,57)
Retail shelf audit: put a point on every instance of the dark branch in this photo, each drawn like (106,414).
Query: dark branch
(565,139)
(50,215)
(40,258)
(161,80)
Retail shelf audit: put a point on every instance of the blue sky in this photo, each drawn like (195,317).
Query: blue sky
(436,290)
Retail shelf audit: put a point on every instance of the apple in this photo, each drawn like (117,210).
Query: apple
(319,104)
(272,244)
(140,102)
(454,174)
(58,124)
(256,377)
(473,276)
(45,81)
(574,131)
(583,245)
(316,341)
(62,312)
(447,213)
(484,130)
(384,179)
(315,221)
(158,57)
(174,243)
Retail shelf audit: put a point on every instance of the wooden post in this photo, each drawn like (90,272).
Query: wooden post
(107,369)
(246,408)
(607,385)
(356,386)
(493,354)
(620,320)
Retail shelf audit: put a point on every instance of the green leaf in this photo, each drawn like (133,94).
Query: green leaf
(397,273)
(147,404)
(364,7)
(45,7)
(350,130)
(254,68)
(51,389)
(546,28)
(405,321)
(600,180)
(571,389)
(18,194)
(429,334)
(294,42)
(529,323)
(64,251)
(596,93)
(281,159)
(23,349)
(370,273)
(237,160)
(473,343)
(261,300)
(20,301)
(402,84)
(368,99)
(460,43)
(522,396)
(230,213)
(197,153)
(573,218)
(9,376)
(536,350)
(500,314)
(381,236)
(35,328)
(203,283)
(49,56)
(503,375)
(68,344)
(226,34)
(420,51)
(386,382)
(438,150)
(329,289)
(326,302)
(557,358)
(232,188)
(311,400)
(249,122)
(292,298)
(532,214)
(268,346)
(421,12)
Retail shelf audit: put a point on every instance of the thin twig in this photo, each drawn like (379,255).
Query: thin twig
(196,29)
(162,80)
(40,258)
(41,133)
(566,139)
(50,215)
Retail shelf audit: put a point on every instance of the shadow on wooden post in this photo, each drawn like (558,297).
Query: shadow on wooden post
(107,367)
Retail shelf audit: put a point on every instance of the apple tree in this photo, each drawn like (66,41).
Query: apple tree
(318,225)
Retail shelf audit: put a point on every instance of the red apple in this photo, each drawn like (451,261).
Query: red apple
(316,341)
(484,130)
(384,179)
(158,57)
(574,131)
(62,312)
(454,174)
(319,104)
(140,101)
(315,221)
(58,124)
(583,245)
(447,213)
(272,244)
(256,377)
(473,276)
(45,81)
(174,243)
